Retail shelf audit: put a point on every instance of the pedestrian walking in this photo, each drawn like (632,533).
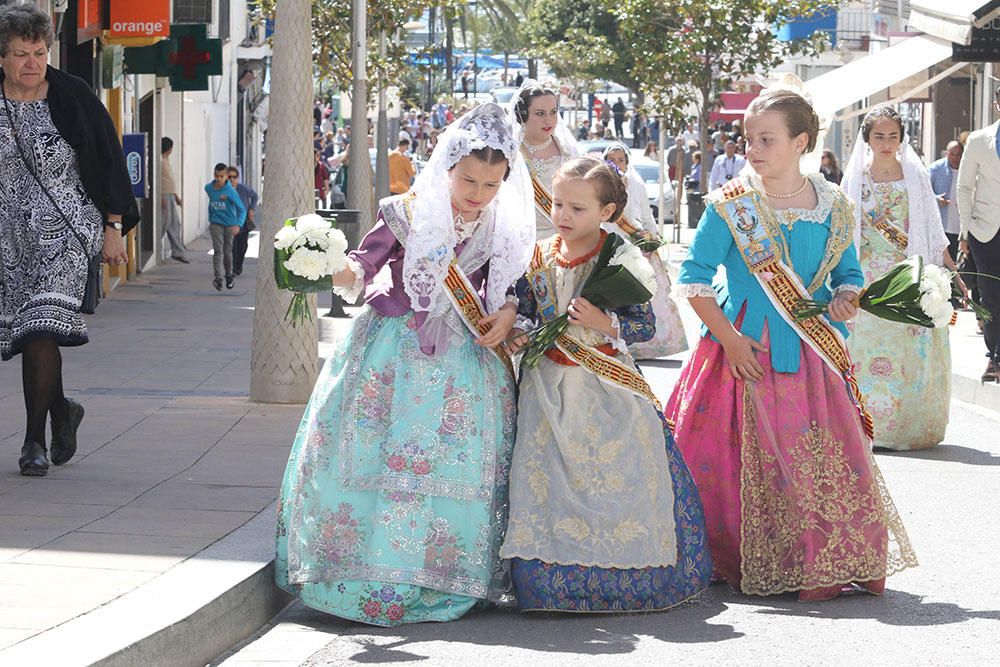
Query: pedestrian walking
(829,168)
(401,169)
(249,199)
(618,110)
(170,201)
(321,179)
(944,180)
(66,198)
(904,371)
(726,167)
(774,430)
(394,501)
(519,79)
(632,537)
(979,216)
(225,217)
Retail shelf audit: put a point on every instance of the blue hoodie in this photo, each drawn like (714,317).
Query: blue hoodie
(225,206)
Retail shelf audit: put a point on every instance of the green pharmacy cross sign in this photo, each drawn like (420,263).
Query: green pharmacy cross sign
(188,57)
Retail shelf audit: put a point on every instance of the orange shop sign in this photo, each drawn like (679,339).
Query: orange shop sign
(140,18)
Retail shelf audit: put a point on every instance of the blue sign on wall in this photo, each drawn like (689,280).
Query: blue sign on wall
(135,148)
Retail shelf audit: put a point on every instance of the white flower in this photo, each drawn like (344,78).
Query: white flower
(936,278)
(629,256)
(307,223)
(285,237)
(942,316)
(309,264)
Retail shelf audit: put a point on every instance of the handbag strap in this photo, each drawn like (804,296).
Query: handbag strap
(31,169)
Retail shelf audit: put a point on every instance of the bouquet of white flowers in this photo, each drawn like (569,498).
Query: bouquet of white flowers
(308,250)
(911,292)
(621,277)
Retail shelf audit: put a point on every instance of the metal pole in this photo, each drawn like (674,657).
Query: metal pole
(359,181)
(660,161)
(381,140)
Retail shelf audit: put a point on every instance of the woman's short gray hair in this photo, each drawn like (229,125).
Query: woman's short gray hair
(27,22)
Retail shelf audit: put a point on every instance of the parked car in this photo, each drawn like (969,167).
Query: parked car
(649,171)
(503,95)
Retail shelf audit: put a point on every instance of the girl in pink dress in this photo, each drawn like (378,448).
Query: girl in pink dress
(767,412)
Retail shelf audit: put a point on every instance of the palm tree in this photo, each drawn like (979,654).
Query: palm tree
(284,360)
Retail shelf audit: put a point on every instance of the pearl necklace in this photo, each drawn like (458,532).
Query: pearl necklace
(805,182)
(540,147)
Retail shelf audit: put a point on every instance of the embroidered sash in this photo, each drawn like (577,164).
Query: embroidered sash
(543,199)
(740,206)
(541,277)
(891,233)
(463,297)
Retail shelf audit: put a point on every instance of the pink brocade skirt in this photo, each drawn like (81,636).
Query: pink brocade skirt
(793,498)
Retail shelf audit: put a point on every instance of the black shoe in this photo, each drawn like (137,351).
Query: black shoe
(217,283)
(64,435)
(990,375)
(33,462)
(237,272)
(182,260)
(229,282)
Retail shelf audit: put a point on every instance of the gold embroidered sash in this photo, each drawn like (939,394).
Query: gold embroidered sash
(470,308)
(891,233)
(398,213)
(543,199)
(541,277)
(741,207)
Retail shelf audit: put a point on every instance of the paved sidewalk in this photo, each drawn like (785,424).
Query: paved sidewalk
(172,458)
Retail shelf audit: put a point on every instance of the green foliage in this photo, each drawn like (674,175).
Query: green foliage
(588,30)
(331,37)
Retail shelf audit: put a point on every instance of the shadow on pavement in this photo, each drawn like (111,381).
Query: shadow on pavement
(590,634)
(951,453)
(896,608)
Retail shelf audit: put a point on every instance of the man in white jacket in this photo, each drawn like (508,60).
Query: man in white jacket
(979,217)
(726,166)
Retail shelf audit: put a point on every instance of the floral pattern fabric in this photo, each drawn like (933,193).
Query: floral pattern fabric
(904,371)
(669,337)
(793,498)
(578,588)
(592,485)
(394,500)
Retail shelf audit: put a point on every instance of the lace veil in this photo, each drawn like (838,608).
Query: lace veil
(430,246)
(925,232)
(562,134)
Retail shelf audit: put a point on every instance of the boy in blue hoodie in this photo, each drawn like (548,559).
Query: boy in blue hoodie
(226,214)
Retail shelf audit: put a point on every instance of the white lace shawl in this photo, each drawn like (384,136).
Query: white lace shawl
(925,231)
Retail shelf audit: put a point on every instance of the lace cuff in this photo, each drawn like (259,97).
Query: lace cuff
(853,289)
(617,342)
(523,323)
(686,291)
(351,294)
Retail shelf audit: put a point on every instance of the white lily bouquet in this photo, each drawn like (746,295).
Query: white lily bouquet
(910,292)
(308,250)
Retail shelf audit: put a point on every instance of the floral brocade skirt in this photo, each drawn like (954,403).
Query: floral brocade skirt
(394,500)
(669,337)
(793,498)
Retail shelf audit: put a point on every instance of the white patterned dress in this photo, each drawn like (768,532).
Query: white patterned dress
(44,266)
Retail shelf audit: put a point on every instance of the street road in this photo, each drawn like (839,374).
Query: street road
(945,612)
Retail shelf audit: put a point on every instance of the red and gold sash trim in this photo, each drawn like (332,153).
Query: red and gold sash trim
(741,208)
(470,308)
(891,233)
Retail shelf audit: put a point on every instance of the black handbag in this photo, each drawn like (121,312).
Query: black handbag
(92,288)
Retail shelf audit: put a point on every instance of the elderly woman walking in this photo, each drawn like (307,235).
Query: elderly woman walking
(65,197)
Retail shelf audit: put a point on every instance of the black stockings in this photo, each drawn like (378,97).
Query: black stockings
(41,373)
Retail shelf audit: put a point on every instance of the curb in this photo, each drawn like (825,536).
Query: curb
(187,616)
(971,390)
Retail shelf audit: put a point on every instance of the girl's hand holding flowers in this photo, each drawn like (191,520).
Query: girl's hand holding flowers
(843,307)
(585,314)
(499,324)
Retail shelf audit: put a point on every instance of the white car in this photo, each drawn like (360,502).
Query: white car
(649,170)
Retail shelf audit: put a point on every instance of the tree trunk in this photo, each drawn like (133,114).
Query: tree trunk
(707,150)
(360,195)
(449,51)
(532,68)
(284,359)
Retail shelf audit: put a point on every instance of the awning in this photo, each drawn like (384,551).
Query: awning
(853,82)
(952,20)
